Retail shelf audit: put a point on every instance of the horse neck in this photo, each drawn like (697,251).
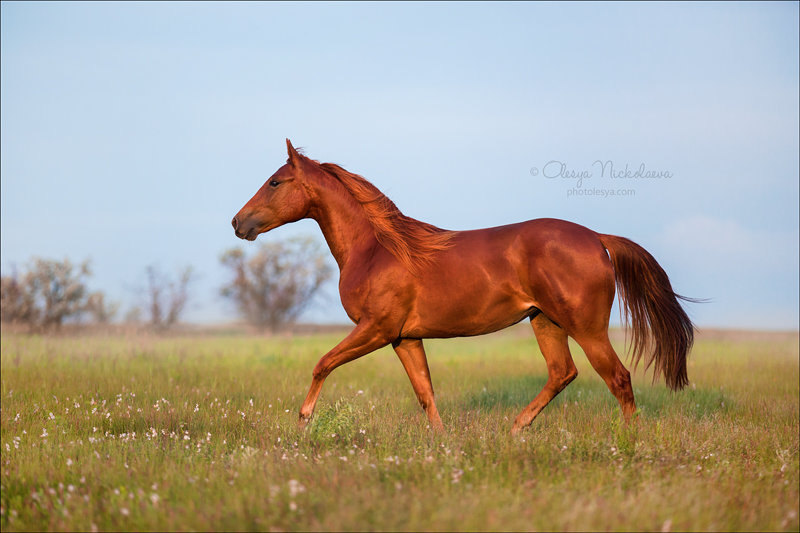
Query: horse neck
(342,221)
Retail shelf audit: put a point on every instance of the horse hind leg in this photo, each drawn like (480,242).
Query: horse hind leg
(605,361)
(561,369)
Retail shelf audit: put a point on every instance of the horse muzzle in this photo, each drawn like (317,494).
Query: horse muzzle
(242,231)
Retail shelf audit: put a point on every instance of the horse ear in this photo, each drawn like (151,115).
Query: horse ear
(294,157)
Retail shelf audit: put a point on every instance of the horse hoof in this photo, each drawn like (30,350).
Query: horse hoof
(302,422)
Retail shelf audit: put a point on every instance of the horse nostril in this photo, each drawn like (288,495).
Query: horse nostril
(235,223)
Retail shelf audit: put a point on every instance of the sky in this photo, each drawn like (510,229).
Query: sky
(131,133)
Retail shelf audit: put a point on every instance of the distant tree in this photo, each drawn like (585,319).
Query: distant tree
(274,285)
(60,289)
(47,294)
(99,309)
(133,316)
(17,303)
(166,299)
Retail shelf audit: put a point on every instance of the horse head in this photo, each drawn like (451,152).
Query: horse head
(282,199)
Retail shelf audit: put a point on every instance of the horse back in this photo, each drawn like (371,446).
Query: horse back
(492,278)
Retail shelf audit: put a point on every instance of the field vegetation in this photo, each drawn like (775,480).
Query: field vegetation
(198,432)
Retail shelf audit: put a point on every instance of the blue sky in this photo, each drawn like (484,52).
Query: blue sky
(131,133)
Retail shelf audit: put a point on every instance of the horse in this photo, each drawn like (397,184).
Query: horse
(402,280)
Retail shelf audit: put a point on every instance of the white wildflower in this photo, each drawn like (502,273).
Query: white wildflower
(295,488)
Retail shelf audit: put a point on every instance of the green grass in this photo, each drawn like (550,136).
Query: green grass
(199,433)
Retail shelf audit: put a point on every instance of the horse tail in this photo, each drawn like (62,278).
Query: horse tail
(661,329)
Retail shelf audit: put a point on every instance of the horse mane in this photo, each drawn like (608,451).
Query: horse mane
(412,242)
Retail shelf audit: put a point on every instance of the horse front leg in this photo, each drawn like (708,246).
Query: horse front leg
(364,339)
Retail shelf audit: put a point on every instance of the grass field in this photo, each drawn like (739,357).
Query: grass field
(199,433)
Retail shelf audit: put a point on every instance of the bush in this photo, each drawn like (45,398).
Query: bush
(273,286)
(49,293)
(17,305)
(166,298)
(337,421)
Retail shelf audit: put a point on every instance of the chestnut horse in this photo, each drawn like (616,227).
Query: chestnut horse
(402,280)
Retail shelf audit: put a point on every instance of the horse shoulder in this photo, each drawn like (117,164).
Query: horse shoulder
(377,290)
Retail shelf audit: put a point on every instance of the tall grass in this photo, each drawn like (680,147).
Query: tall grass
(199,433)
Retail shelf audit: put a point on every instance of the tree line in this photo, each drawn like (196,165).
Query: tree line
(269,287)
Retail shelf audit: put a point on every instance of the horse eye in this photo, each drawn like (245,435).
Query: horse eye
(274,183)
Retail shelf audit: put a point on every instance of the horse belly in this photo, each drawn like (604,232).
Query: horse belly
(468,302)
